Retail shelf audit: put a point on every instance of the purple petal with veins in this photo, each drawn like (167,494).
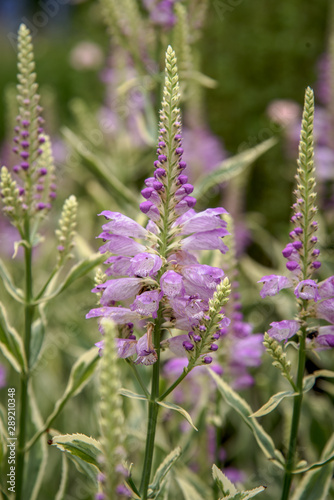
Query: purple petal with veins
(326,288)
(325,310)
(122,245)
(119,266)
(122,225)
(145,264)
(120,315)
(208,240)
(147,303)
(126,347)
(172,284)
(273,283)
(283,330)
(118,289)
(203,221)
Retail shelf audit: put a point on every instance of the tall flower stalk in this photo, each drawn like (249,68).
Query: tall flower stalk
(171,289)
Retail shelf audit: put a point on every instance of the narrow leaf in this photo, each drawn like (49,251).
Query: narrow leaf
(96,166)
(63,481)
(273,402)
(179,409)
(162,471)
(38,455)
(223,483)
(309,380)
(84,447)
(316,483)
(188,490)
(37,337)
(132,395)
(80,375)
(78,271)
(242,407)
(244,495)
(11,344)
(16,293)
(231,167)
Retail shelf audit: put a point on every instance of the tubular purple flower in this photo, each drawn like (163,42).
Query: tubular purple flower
(208,240)
(120,245)
(145,264)
(172,284)
(149,209)
(283,330)
(147,303)
(118,289)
(119,315)
(122,225)
(307,290)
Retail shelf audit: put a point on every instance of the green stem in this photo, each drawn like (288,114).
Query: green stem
(175,384)
(153,409)
(295,419)
(28,319)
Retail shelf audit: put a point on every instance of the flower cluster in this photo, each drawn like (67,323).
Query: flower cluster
(161,12)
(35,188)
(315,299)
(160,276)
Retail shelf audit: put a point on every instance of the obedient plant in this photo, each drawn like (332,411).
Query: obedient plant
(27,192)
(165,284)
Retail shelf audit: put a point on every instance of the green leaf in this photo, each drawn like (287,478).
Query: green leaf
(309,381)
(37,337)
(316,483)
(242,407)
(223,483)
(80,375)
(11,344)
(84,447)
(94,164)
(132,395)
(232,167)
(305,468)
(88,470)
(38,455)
(188,490)
(63,481)
(244,495)
(179,409)
(16,293)
(78,271)
(162,471)
(273,402)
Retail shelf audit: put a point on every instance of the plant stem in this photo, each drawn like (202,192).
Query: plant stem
(153,409)
(175,384)
(295,419)
(28,319)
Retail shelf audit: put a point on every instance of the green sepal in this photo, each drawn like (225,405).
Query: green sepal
(316,483)
(232,167)
(81,372)
(16,293)
(78,271)
(242,407)
(131,395)
(11,345)
(80,445)
(179,409)
(162,471)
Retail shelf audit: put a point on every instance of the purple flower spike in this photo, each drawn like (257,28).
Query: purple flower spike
(149,209)
(172,284)
(283,330)
(307,290)
(273,283)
